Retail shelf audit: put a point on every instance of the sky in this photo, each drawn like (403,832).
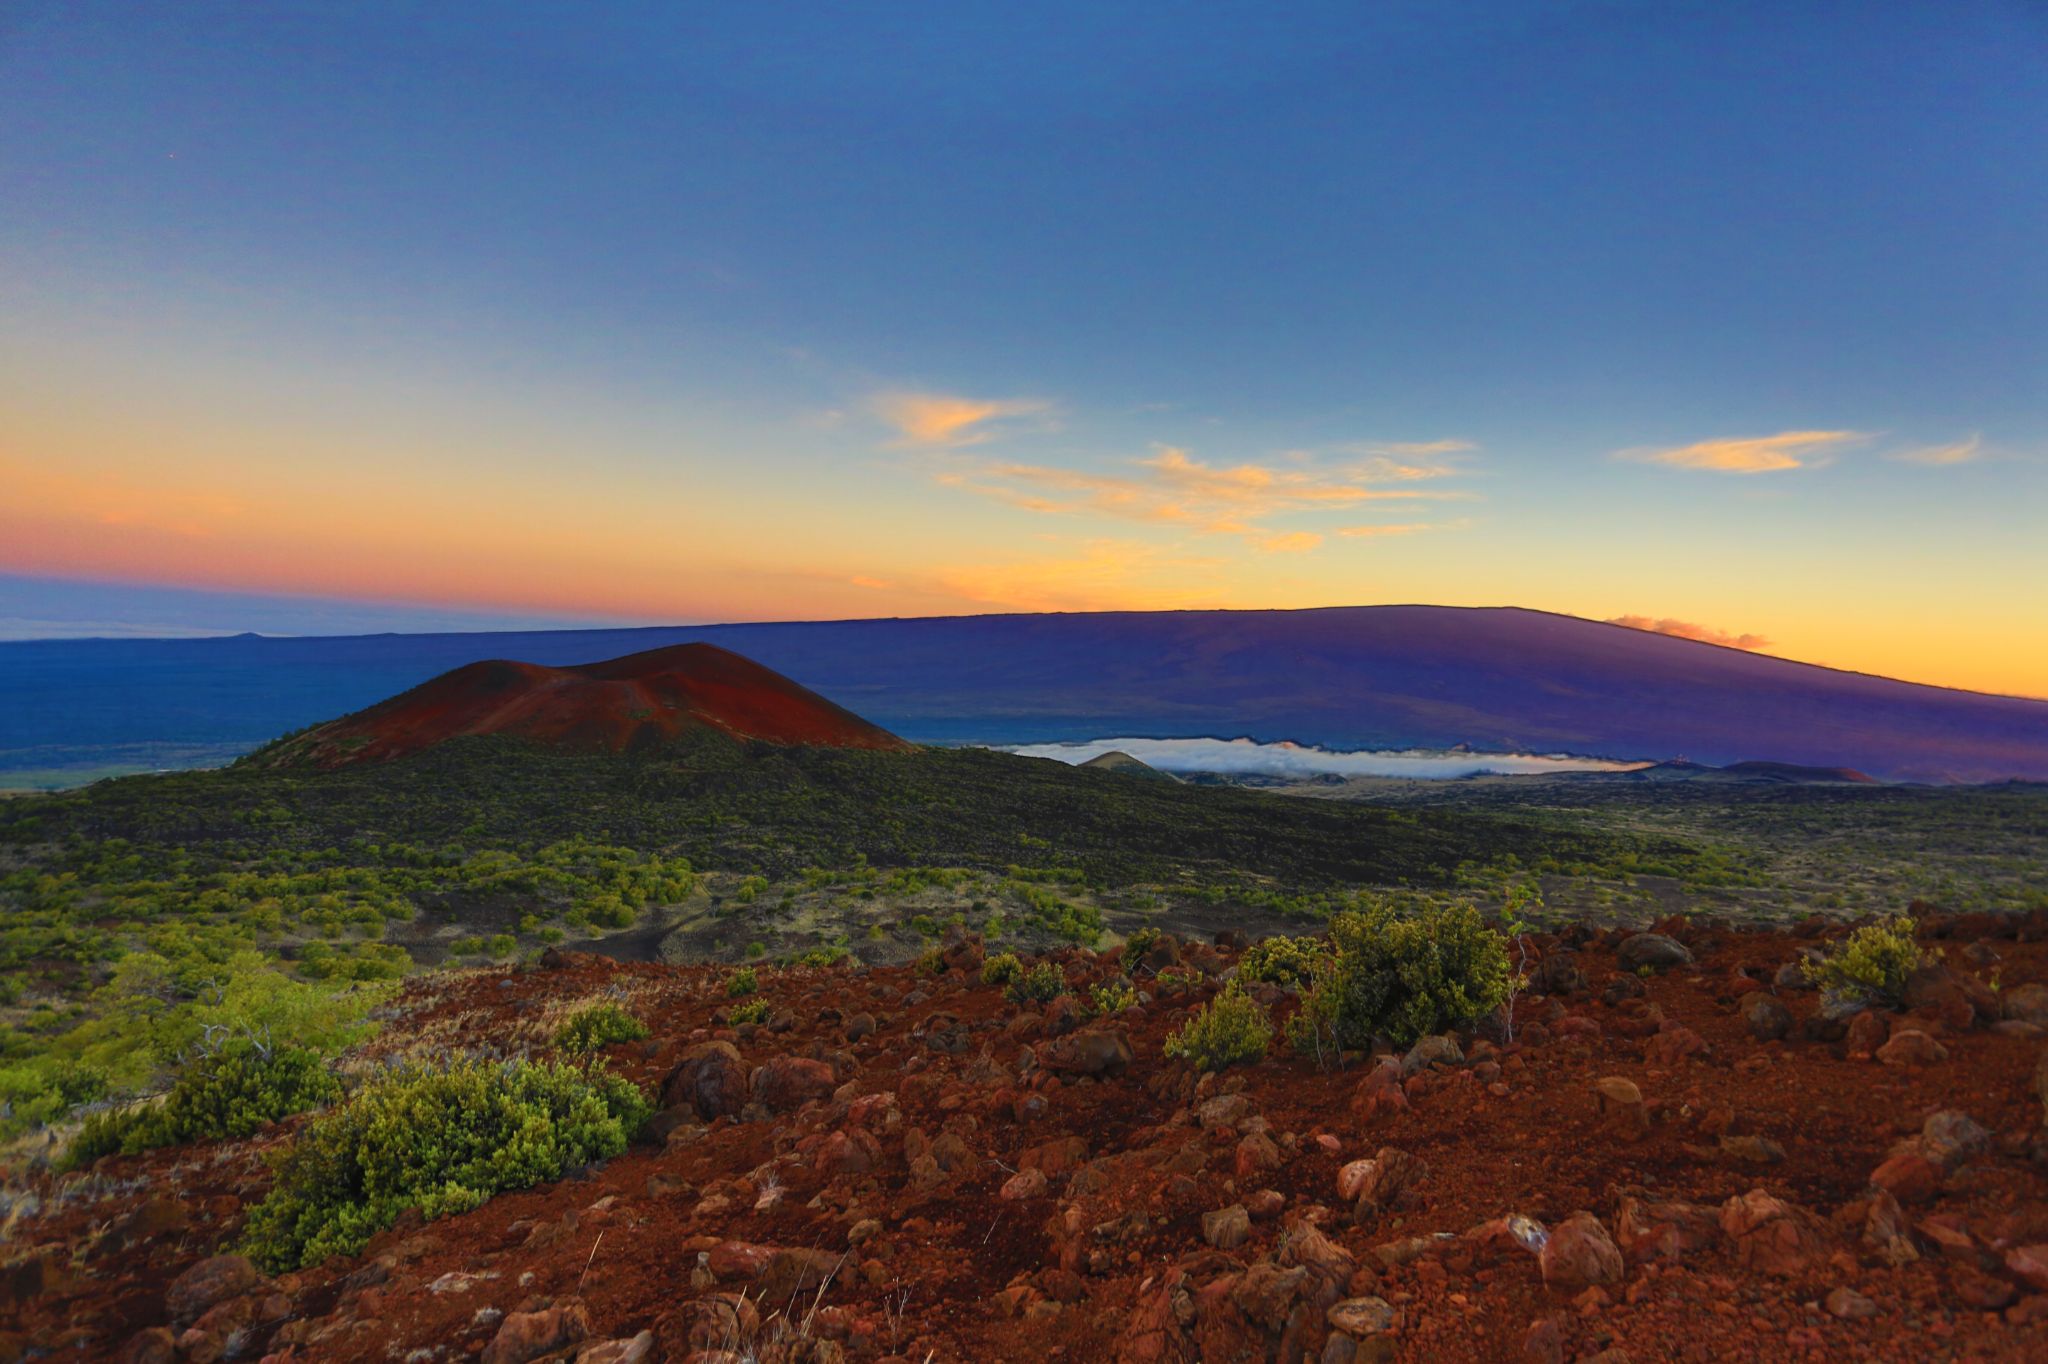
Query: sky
(1729,319)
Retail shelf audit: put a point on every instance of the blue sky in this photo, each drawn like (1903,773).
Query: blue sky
(660,281)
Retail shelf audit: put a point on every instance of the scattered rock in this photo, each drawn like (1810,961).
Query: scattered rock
(529,1335)
(1772,1236)
(636,1350)
(1622,1111)
(790,1082)
(1096,1052)
(1911,1047)
(1653,950)
(710,1081)
(1766,1018)
(1580,1253)
(1846,1303)
(210,1282)
(1439,1050)
(1360,1317)
(1227,1228)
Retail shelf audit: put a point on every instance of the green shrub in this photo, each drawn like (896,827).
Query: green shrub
(1041,983)
(1136,945)
(1403,977)
(1001,969)
(228,1093)
(744,981)
(1871,964)
(1112,997)
(441,1140)
(753,1011)
(1290,963)
(600,1025)
(930,962)
(1232,1028)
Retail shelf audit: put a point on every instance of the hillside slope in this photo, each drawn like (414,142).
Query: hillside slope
(637,701)
(1344,677)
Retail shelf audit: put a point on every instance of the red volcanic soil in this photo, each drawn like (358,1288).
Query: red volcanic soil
(927,1172)
(624,703)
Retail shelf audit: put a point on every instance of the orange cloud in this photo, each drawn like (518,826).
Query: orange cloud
(1172,487)
(1749,454)
(1108,575)
(1958,452)
(1368,532)
(941,419)
(1685,629)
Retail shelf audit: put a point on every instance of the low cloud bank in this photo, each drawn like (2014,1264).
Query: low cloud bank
(1247,756)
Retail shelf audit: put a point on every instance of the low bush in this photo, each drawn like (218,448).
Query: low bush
(1112,997)
(1001,969)
(1136,945)
(600,1025)
(1870,965)
(744,981)
(1401,977)
(1042,983)
(755,1010)
(1290,963)
(442,1140)
(1233,1028)
(228,1093)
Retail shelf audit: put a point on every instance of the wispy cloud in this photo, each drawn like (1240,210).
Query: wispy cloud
(1104,575)
(1685,629)
(940,419)
(1750,454)
(1372,532)
(1172,487)
(1957,452)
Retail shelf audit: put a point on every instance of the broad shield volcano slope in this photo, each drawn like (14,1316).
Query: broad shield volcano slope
(638,701)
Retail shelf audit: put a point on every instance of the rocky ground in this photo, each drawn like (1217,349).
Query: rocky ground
(1666,1161)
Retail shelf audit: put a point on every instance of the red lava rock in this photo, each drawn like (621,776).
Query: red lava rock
(1765,1016)
(1025,1184)
(1909,1177)
(1771,1236)
(2029,1264)
(1104,1051)
(1622,1111)
(1663,1231)
(789,1082)
(1672,1045)
(711,1081)
(210,1282)
(1911,1047)
(1867,1032)
(529,1335)
(155,1345)
(1580,1253)
(1543,1342)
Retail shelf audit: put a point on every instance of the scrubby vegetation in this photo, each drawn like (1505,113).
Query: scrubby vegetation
(1041,984)
(742,983)
(442,1140)
(229,1091)
(1290,963)
(1112,997)
(1401,974)
(1233,1028)
(754,1010)
(599,1025)
(1001,969)
(1870,965)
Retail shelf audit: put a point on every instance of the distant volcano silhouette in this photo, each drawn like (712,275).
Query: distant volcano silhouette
(638,701)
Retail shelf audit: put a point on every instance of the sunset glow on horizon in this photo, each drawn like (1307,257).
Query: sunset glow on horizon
(290,307)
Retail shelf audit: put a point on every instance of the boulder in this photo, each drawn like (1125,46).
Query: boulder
(1766,1018)
(710,1080)
(529,1335)
(211,1281)
(1868,1031)
(1653,950)
(1673,1044)
(1911,1047)
(1382,1180)
(1227,1228)
(629,1350)
(1440,1050)
(1622,1110)
(2025,1003)
(1100,1051)
(1771,1236)
(790,1082)
(1360,1317)
(1663,1230)
(1580,1254)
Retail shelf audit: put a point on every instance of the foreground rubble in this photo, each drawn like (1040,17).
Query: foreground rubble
(1675,1154)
